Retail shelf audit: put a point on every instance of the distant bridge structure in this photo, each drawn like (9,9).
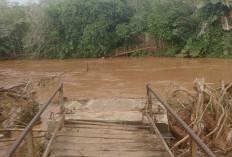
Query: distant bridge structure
(134,48)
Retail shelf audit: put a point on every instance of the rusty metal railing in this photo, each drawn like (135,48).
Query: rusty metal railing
(28,133)
(195,140)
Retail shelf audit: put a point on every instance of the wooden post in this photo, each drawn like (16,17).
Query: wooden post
(149,102)
(47,150)
(193,148)
(149,107)
(30,144)
(61,99)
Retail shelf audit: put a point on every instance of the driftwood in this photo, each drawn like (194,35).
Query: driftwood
(18,105)
(16,87)
(203,28)
(3,90)
(207,112)
(26,86)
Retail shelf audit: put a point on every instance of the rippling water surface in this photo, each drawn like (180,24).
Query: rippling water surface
(112,78)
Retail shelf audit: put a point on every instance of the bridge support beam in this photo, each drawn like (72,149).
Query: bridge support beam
(30,144)
(193,148)
(61,99)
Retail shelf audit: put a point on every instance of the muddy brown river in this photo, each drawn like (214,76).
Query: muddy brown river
(112,78)
(109,78)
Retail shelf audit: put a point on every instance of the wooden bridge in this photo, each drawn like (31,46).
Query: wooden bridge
(106,140)
(134,48)
(109,128)
(102,129)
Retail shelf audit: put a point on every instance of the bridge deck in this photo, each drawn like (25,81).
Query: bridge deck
(106,140)
(106,128)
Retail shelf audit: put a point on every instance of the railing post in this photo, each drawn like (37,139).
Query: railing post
(61,99)
(30,144)
(193,148)
(195,140)
(149,107)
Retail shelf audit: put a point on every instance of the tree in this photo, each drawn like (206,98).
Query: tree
(12,28)
(89,28)
(193,28)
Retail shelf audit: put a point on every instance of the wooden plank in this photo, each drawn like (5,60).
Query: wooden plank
(128,122)
(103,131)
(109,146)
(71,122)
(103,127)
(83,153)
(105,136)
(163,155)
(102,140)
(94,139)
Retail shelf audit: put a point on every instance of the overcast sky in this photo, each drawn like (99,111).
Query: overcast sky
(23,1)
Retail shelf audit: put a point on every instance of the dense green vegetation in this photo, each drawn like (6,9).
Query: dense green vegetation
(12,28)
(90,28)
(193,28)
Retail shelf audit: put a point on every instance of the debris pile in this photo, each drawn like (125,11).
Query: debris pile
(17,106)
(207,111)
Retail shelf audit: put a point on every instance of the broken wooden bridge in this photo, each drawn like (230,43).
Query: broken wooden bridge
(109,128)
(106,128)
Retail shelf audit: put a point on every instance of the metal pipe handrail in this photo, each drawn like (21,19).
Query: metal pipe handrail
(152,123)
(46,152)
(183,124)
(32,122)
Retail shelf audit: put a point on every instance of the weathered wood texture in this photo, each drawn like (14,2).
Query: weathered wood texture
(92,139)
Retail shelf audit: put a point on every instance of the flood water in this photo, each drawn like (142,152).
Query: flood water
(113,78)
(109,78)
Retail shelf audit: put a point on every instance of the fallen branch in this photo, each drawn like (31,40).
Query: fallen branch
(207,112)
(180,142)
(203,28)
(26,86)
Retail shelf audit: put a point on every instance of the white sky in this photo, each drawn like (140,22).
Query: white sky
(23,1)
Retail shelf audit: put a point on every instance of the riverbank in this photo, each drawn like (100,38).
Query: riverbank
(139,54)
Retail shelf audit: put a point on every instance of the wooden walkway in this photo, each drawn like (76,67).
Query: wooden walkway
(85,139)
(106,128)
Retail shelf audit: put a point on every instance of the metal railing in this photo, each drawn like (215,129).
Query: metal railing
(195,140)
(28,133)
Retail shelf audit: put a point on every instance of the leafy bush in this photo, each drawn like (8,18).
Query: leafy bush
(94,28)
(90,28)
(190,30)
(13,28)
